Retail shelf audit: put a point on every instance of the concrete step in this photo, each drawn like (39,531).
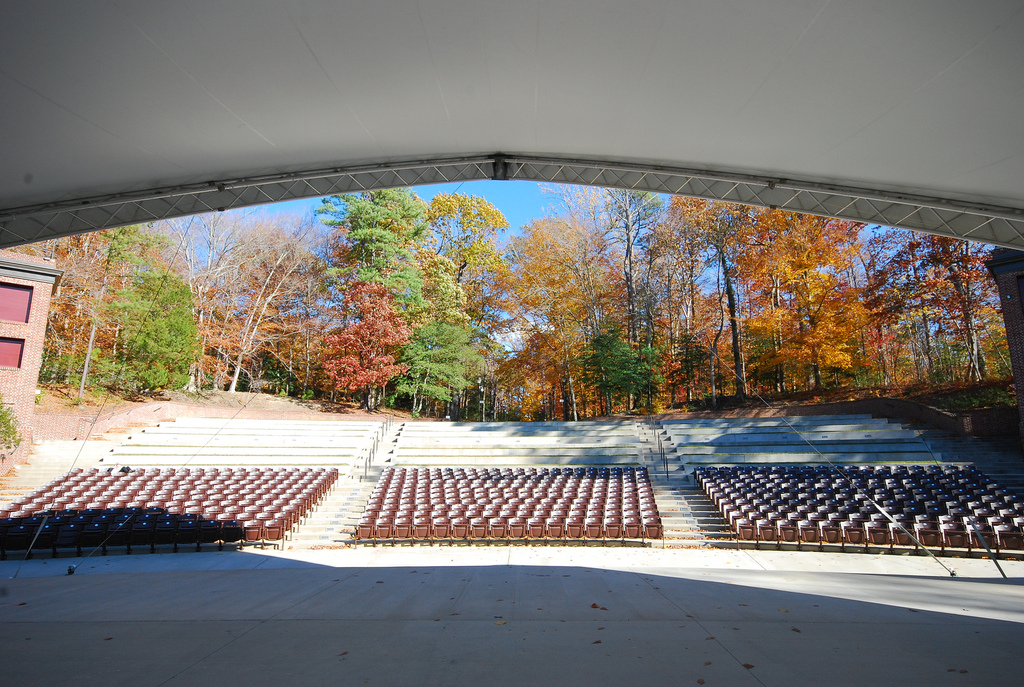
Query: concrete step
(576,441)
(515,461)
(333,522)
(785,435)
(797,446)
(174,430)
(139,442)
(806,420)
(809,458)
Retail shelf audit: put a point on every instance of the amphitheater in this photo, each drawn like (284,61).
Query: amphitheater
(682,551)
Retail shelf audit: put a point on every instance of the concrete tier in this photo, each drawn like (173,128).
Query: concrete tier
(506,460)
(722,436)
(771,421)
(214,441)
(810,458)
(517,443)
(243,441)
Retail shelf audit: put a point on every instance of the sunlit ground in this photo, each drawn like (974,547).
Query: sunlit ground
(511,615)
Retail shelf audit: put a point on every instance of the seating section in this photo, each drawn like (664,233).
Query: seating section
(800,439)
(89,508)
(505,504)
(944,507)
(206,441)
(517,443)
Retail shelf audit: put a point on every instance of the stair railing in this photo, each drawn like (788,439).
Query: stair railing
(652,426)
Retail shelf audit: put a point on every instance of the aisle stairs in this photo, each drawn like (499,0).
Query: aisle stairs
(333,523)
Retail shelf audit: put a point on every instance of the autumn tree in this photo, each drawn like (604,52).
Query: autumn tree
(723,226)
(960,265)
(243,270)
(680,269)
(922,288)
(632,217)
(810,313)
(362,355)
(464,231)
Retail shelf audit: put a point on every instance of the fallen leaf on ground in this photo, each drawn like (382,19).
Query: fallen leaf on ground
(597,642)
(747,666)
(700,681)
(794,629)
(343,653)
(595,605)
(500,622)
(708,639)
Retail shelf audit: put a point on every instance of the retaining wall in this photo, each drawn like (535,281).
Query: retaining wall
(988,422)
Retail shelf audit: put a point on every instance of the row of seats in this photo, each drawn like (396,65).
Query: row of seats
(125,527)
(541,504)
(939,506)
(265,504)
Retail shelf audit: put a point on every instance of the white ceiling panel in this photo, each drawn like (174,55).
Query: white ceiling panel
(115,100)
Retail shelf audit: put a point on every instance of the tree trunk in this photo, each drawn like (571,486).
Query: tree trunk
(572,395)
(734,326)
(88,359)
(234,377)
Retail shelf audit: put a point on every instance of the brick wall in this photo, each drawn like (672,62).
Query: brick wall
(18,385)
(1007,267)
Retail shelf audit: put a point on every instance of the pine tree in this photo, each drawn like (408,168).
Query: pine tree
(159,335)
(442,361)
(376,233)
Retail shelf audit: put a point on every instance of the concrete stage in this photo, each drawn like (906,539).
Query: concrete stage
(510,616)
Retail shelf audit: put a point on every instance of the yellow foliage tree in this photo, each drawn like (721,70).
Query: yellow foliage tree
(807,309)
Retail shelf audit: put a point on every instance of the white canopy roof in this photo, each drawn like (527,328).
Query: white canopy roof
(902,112)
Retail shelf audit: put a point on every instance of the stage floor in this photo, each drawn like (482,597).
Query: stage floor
(510,616)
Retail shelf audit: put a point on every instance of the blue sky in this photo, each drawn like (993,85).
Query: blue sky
(519,201)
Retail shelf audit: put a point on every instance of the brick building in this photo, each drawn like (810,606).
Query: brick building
(26,285)
(1007,267)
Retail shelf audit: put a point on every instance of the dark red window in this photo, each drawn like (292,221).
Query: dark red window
(10,352)
(15,302)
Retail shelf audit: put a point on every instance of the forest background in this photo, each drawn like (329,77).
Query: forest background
(613,302)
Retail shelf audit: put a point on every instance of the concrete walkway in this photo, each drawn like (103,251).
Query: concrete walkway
(511,616)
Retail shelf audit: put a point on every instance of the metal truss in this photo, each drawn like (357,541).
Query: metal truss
(999,226)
